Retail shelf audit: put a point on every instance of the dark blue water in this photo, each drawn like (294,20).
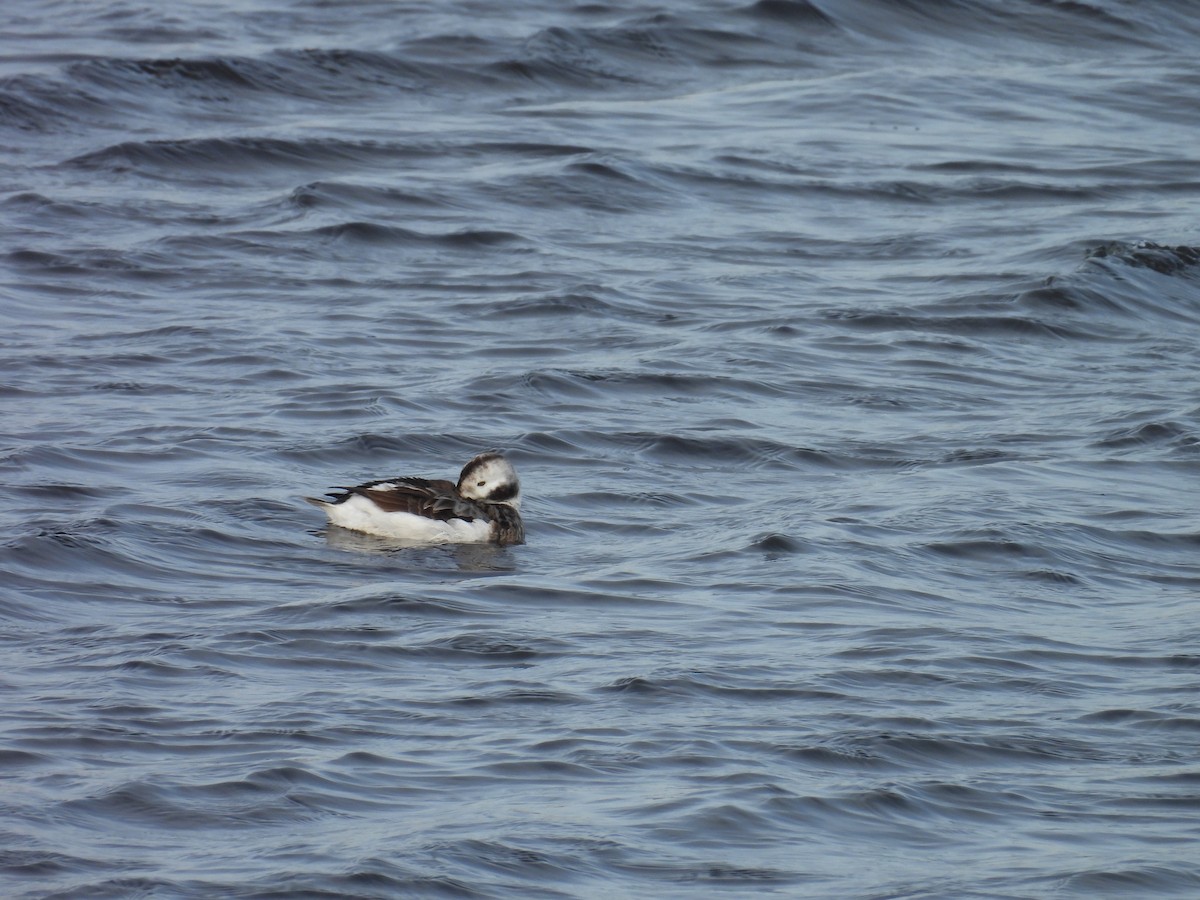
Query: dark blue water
(848,353)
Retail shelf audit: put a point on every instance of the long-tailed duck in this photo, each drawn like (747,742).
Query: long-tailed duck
(483,507)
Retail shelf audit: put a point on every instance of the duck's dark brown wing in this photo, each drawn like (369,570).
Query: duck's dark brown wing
(433,499)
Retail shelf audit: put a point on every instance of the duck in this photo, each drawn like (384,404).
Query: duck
(482,507)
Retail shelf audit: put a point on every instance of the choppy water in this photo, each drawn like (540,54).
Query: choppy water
(848,353)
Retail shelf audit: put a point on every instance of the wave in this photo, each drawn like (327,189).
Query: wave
(46,105)
(748,689)
(372,233)
(1148,255)
(619,53)
(1156,286)
(1163,880)
(328,75)
(169,157)
(978,22)
(590,58)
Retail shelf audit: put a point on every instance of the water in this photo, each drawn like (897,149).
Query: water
(848,353)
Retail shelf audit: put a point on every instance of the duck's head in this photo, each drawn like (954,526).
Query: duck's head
(490,478)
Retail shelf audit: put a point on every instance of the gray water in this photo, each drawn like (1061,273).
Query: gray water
(847,350)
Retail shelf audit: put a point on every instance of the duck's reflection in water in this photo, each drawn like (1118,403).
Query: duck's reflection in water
(467,557)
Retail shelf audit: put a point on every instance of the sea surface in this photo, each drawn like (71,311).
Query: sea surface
(849,353)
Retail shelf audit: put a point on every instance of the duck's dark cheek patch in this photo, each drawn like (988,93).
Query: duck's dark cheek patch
(502,493)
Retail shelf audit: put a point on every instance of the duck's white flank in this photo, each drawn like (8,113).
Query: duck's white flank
(482,507)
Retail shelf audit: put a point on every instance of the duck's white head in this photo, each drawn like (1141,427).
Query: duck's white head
(491,478)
